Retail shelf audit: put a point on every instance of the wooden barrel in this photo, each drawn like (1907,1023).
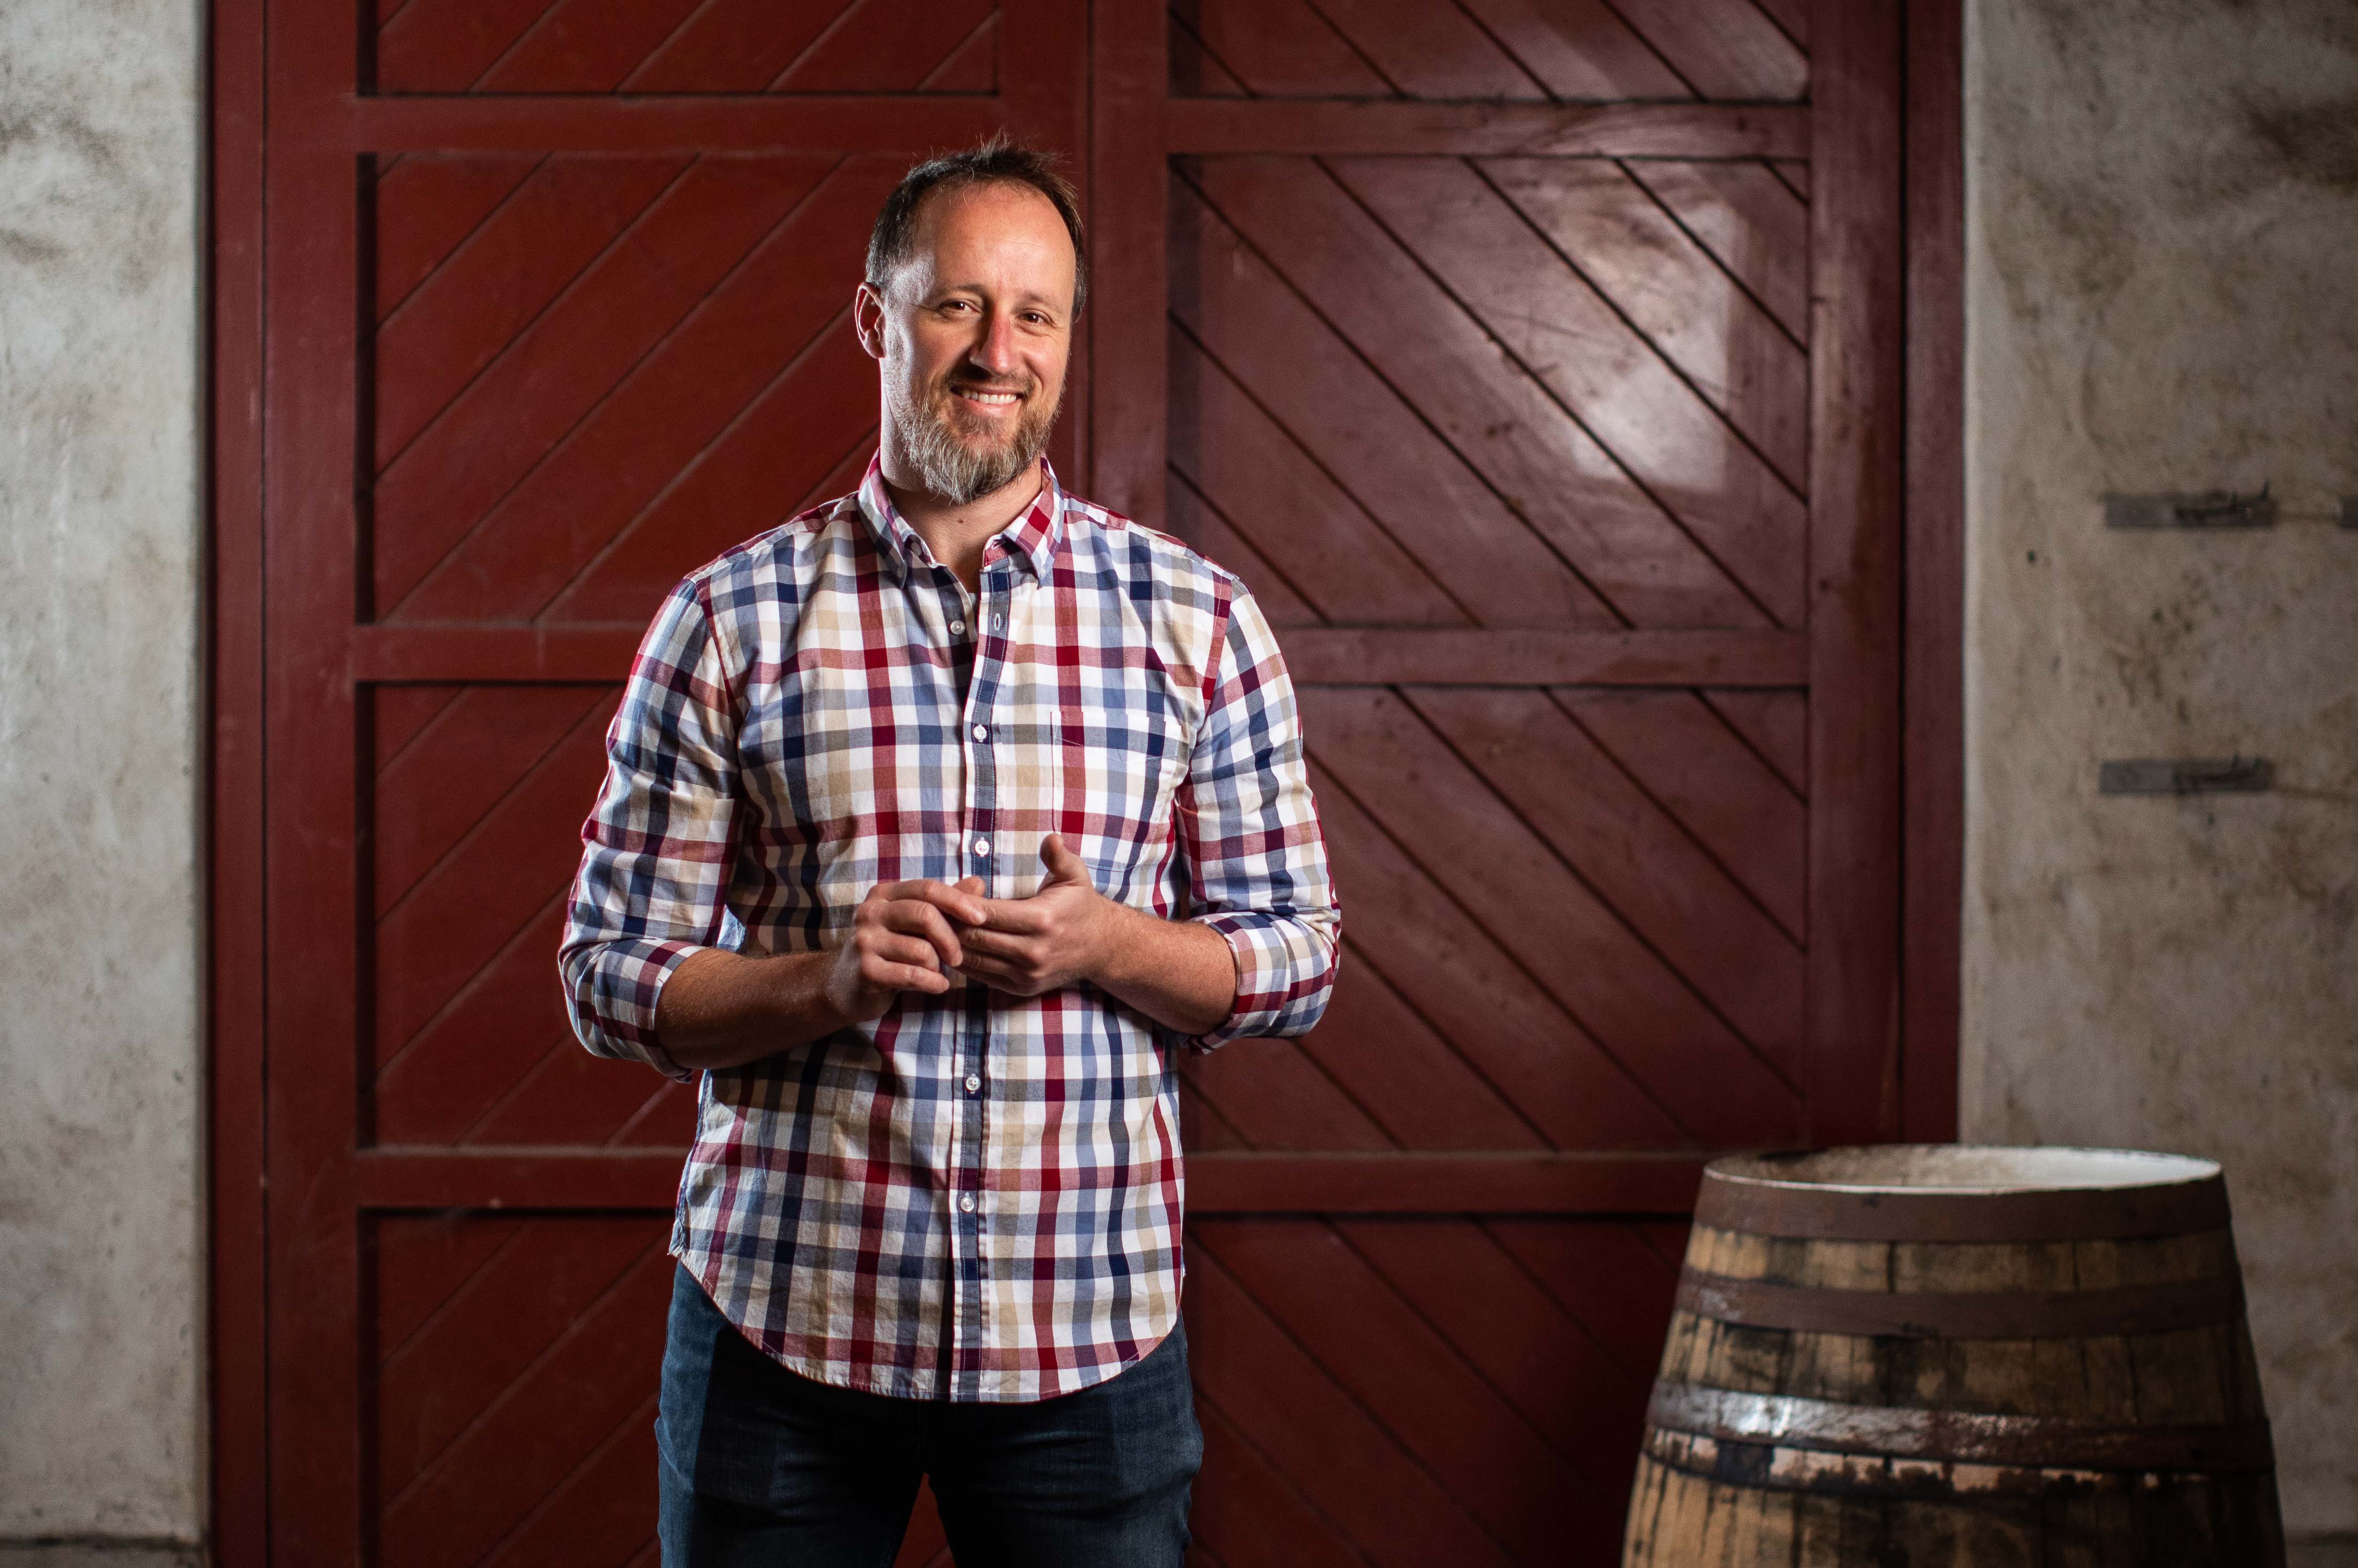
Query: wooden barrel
(1940,1355)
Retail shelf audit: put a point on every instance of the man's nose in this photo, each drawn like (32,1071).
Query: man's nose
(994,349)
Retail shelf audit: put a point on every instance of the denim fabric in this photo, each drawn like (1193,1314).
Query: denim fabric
(762,1466)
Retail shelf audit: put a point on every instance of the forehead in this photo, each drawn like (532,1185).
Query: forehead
(1011,224)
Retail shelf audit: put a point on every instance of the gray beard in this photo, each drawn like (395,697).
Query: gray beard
(950,468)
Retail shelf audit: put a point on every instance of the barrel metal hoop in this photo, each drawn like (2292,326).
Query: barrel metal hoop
(2039,1442)
(1961,1314)
(2062,1213)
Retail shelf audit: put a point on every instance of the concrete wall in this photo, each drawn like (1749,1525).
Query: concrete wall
(2163,295)
(101,1288)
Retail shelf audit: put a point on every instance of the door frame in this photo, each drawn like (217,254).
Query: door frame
(1928,449)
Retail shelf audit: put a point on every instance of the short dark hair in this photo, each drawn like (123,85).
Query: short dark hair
(995,160)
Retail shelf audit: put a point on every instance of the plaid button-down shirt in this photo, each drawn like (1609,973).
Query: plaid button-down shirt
(976,1195)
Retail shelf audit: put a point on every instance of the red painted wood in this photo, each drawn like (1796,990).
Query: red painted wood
(237,1344)
(1484,439)
(1933,761)
(1858,485)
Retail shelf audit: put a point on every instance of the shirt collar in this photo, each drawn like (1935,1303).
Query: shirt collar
(1031,538)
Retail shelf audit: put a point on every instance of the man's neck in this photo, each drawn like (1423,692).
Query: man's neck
(956,534)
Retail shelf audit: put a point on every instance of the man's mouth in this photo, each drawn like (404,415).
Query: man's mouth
(987,398)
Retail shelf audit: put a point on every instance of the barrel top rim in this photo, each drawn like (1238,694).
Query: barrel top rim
(2044,1169)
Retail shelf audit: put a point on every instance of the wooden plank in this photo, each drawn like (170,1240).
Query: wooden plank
(237,1342)
(562,651)
(1218,1182)
(1278,48)
(1544,470)
(1858,451)
(1932,765)
(1751,222)
(914,123)
(311,883)
(1129,174)
(1726,49)
(1398,1064)
(1430,51)
(1488,130)
(1579,48)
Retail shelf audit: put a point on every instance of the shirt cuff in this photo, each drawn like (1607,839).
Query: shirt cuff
(1284,972)
(614,1005)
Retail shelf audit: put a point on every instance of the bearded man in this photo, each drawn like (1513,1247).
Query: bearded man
(938,823)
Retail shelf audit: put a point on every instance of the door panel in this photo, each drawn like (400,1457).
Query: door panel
(1531,362)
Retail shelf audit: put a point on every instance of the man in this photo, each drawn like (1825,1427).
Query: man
(937,822)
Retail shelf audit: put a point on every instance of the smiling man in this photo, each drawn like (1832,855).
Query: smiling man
(938,823)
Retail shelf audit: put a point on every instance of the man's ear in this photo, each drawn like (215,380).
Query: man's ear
(868,319)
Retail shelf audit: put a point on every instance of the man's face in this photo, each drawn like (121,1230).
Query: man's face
(973,333)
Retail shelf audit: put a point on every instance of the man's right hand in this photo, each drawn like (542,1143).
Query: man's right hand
(901,940)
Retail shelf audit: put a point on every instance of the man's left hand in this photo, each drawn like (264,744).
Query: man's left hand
(1065,932)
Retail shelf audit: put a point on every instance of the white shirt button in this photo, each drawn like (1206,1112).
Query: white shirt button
(982,845)
(982,732)
(965,1202)
(973,1083)
(957,628)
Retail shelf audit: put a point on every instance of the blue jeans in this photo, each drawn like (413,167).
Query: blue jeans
(760,1466)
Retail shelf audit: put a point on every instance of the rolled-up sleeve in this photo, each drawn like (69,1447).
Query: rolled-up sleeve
(656,848)
(1255,858)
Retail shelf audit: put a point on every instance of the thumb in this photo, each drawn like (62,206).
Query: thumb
(1064,866)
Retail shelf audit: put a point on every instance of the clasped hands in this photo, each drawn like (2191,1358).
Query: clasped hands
(906,936)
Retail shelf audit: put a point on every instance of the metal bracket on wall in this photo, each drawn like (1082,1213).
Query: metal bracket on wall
(2166,776)
(2211,509)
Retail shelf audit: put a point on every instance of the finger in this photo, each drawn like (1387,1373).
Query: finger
(1016,915)
(969,884)
(1064,866)
(999,978)
(951,901)
(1001,946)
(907,977)
(917,918)
(911,950)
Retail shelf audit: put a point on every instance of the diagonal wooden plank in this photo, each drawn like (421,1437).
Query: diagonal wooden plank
(428,205)
(491,883)
(1570,1258)
(1717,787)
(1578,49)
(1430,51)
(665,1120)
(490,740)
(505,1318)
(1202,1127)
(1368,440)
(1519,1037)
(1726,345)
(1751,221)
(402,716)
(418,1263)
(1538,462)
(1289,509)
(532,1433)
(587,485)
(442,45)
(732,46)
(1249,1515)
(563,219)
(1533,906)
(599,1515)
(566,1096)
(742,485)
(502,1019)
(1281,48)
(1639,860)
(1416,1384)
(1606,373)
(1390,1506)
(1792,16)
(1189,515)
(972,67)
(884,46)
(1279,1098)
(584,46)
(1394,1061)
(1536,1356)
(567,362)
(1728,49)
(1195,70)
(1775,724)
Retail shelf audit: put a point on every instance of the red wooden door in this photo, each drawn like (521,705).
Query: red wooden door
(1536,361)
